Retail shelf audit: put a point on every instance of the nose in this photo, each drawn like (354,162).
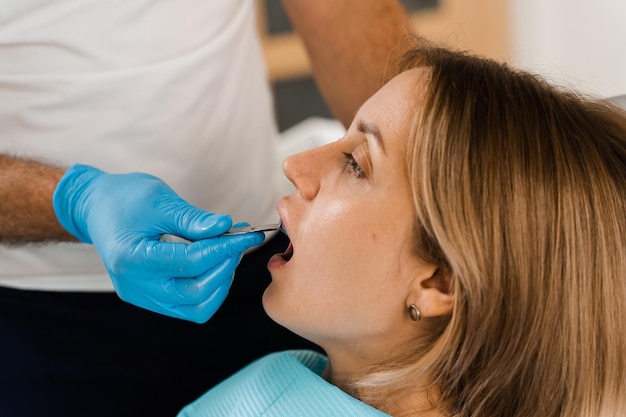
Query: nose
(302,170)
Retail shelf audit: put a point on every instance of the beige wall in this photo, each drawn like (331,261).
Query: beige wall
(481,26)
(577,43)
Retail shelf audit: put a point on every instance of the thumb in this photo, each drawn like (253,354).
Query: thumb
(194,224)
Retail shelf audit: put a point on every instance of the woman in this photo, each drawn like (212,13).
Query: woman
(459,252)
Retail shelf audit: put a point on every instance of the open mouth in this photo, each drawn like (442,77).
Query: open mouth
(286,256)
(279,260)
(288,253)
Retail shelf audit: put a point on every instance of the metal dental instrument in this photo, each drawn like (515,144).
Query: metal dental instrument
(261,228)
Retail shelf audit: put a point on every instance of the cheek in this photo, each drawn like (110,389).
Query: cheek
(344,269)
(343,283)
(351,248)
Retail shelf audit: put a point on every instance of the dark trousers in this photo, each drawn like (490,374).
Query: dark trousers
(91,354)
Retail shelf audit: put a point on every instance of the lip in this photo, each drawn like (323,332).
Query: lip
(281,209)
(278,260)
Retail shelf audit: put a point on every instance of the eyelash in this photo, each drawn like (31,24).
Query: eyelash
(354,166)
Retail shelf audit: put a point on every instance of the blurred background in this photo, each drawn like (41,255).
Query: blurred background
(572,42)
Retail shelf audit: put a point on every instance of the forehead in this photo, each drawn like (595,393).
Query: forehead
(407,85)
(391,107)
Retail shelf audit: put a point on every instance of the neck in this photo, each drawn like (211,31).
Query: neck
(409,402)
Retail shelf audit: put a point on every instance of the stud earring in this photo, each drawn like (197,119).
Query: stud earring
(414,313)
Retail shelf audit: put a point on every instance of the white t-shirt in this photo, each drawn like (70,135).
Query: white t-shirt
(174,88)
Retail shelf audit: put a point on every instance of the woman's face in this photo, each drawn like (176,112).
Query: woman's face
(348,282)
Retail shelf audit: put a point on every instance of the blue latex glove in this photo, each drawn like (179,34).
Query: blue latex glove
(125,215)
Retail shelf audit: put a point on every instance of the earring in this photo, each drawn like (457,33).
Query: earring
(414,313)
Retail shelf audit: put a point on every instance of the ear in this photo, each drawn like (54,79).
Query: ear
(432,293)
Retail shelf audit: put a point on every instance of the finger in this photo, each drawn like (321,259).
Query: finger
(240,224)
(205,254)
(194,299)
(202,312)
(194,224)
(175,259)
(198,313)
(198,290)
(142,297)
(177,291)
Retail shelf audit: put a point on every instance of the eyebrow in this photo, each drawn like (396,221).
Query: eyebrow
(372,130)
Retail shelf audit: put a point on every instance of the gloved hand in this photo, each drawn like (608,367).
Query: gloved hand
(125,215)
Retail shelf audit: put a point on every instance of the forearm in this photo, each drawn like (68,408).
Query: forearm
(352,45)
(26,212)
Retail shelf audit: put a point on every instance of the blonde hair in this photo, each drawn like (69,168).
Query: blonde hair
(520,196)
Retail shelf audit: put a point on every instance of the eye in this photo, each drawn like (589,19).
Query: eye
(353,165)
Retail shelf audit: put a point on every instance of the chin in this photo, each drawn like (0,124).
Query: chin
(274,307)
(268,304)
